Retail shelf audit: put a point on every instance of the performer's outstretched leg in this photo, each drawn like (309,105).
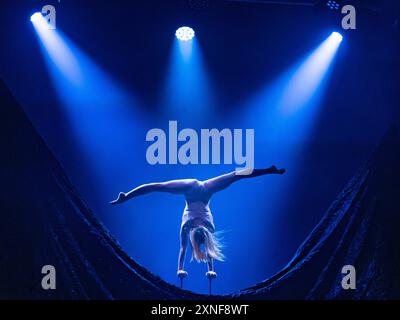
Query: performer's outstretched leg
(173,186)
(221,182)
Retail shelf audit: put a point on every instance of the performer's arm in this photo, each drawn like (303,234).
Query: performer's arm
(221,182)
(174,186)
(210,264)
(211,274)
(181,273)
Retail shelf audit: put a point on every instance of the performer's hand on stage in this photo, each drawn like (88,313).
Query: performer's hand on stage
(182,274)
(120,199)
(211,275)
(275,170)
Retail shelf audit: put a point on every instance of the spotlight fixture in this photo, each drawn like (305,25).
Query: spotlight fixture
(184,33)
(36,17)
(333,5)
(337,36)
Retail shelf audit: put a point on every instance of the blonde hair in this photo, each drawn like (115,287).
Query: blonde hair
(212,245)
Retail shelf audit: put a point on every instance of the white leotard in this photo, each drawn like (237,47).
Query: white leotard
(198,211)
(197,208)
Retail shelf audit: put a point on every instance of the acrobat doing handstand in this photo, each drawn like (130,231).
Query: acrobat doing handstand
(197,221)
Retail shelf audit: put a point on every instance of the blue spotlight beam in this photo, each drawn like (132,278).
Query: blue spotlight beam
(308,78)
(283,114)
(188,94)
(296,92)
(57,50)
(94,105)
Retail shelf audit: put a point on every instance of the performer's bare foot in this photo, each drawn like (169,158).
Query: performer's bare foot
(211,275)
(274,169)
(182,274)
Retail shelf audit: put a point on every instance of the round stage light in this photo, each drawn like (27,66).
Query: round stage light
(184,33)
(36,17)
(333,5)
(337,36)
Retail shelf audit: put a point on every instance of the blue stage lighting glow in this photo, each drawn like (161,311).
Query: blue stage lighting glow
(187,83)
(57,49)
(93,103)
(185,33)
(286,110)
(306,82)
(37,16)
